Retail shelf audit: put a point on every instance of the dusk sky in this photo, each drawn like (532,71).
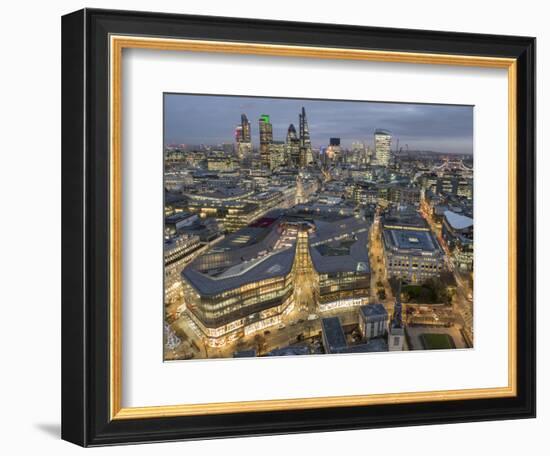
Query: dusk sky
(201,119)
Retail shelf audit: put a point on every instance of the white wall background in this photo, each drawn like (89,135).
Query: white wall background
(30,191)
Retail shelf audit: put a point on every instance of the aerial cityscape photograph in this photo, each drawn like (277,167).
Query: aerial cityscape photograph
(309,227)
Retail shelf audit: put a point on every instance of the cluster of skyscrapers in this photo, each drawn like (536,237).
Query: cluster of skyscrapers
(295,152)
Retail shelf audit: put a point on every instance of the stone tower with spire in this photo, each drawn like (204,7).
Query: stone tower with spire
(396,333)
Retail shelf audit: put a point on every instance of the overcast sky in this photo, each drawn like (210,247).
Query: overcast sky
(205,119)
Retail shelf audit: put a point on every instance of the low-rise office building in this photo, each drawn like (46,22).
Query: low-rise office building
(339,254)
(178,251)
(241,286)
(373,321)
(411,251)
(458,233)
(177,221)
(334,339)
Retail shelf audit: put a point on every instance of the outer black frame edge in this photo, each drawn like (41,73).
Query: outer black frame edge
(85,369)
(73,322)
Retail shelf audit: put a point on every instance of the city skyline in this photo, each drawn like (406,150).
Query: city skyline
(211,119)
(276,247)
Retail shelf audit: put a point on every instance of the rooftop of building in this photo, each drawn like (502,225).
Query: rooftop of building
(215,281)
(404,218)
(411,240)
(171,197)
(290,351)
(340,245)
(336,339)
(333,334)
(458,221)
(373,310)
(317,212)
(244,237)
(263,232)
(246,256)
(371,346)
(266,249)
(178,217)
(178,240)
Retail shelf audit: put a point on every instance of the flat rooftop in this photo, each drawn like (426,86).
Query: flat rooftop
(374,310)
(372,346)
(412,240)
(334,334)
(404,219)
(340,245)
(290,351)
(244,237)
(179,216)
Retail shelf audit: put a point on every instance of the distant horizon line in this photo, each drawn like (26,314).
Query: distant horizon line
(318,147)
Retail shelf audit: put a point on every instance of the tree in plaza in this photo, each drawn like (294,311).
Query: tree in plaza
(260,343)
(381,293)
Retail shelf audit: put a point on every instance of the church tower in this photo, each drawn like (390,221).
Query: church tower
(396,333)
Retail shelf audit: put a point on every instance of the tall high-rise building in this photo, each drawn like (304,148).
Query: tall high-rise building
(238,134)
(277,154)
(306,154)
(359,153)
(243,138)
(266,138)
(293,146)
(382,146)
(334,150)
(245,124)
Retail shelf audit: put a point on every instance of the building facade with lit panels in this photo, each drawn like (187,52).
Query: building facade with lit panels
(266,138)
(244,285)
(382,145)
(221,162)
(411,251)
(306,153)
(339,254)
(243,138)
(277,155)
(177,253)
(234,215)
(365,193)
(293,147)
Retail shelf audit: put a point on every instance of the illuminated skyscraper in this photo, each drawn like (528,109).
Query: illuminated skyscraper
(238,134)
(243,138)
(382,145)
(306,155)
(293,146)
(277,154)
(245,124)
(334,150)
(266,138)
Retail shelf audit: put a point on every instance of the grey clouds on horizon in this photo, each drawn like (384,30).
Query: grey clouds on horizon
(211,119)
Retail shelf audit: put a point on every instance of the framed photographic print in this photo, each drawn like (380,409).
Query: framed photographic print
(268,227)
